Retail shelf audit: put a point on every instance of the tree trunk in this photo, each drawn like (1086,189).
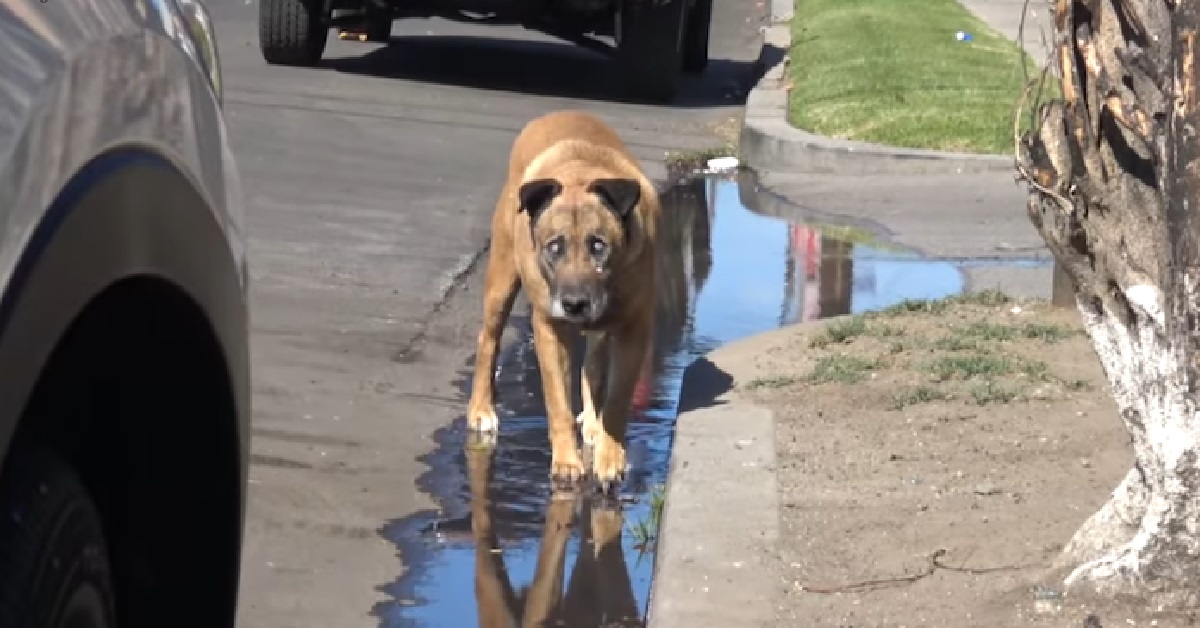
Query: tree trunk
(1113,171)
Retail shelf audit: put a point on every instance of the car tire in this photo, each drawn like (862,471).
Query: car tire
(54,567)
(695,38)
(650,47)
(292,32)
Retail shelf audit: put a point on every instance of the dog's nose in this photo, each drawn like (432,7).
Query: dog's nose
(575,304)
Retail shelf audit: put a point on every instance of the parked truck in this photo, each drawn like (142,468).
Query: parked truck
(654,41)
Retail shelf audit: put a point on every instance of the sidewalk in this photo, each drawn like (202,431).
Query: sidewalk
(893,506)
(967,215)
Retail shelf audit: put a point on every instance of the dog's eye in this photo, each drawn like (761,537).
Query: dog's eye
(555,246)
(597,245)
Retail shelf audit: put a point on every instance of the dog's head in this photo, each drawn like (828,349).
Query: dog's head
(580,230)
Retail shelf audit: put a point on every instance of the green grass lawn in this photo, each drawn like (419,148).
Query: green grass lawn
(892,72)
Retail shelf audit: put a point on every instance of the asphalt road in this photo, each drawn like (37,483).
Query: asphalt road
(369,183)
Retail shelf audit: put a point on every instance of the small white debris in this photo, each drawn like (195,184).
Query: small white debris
(722,165)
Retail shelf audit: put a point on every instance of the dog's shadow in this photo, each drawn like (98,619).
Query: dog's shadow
(599,592)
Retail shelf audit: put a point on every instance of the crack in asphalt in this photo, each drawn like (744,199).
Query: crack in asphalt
(410,351)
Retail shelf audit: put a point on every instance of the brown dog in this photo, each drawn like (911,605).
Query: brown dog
(576,227)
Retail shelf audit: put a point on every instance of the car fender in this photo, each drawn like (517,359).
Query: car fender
(126,213)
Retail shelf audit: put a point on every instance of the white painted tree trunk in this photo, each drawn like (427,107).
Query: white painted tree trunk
(1114,172)
(1146,536)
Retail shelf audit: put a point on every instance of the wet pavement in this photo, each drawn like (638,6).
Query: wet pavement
(500,552)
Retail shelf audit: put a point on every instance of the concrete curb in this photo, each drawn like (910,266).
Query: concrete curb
(769,143)
(721,516)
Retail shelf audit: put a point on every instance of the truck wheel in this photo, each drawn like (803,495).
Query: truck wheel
(650,46)
(292,32)
(54,570)
(379,26)
(695,38)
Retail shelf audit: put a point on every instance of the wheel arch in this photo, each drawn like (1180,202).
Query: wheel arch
(122,341)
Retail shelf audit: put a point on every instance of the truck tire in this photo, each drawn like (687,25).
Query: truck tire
(54,566)
(650,47)
(292,32)
(695,38)
(379,30)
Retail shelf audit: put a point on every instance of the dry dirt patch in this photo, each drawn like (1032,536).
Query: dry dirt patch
(932,460)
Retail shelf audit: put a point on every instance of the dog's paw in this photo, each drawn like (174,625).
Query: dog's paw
(608,464)
(481,441)
(592,428)
(482,418)
(566,470)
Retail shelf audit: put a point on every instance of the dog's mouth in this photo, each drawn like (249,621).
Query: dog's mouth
(577,309)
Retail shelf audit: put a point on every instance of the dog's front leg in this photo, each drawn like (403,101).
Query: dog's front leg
(629,346)
(553,345)
(500,292)
(595,385)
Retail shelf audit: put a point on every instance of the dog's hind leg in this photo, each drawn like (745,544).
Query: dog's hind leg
(500,292)
(595,385)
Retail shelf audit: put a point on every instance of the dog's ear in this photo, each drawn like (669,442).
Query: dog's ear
(536,195)
(619,195)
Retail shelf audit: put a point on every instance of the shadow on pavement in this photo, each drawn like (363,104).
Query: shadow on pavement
(703,384)
(542,68)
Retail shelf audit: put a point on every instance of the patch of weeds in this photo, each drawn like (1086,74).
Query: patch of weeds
(956,343)
(916,306)
(989,298)
(1047,333)
(968,366)
(885,331)
(916,395)
(1035,369)
(775,381)
(645,531)
(902,343)
(843,369)
(839,332)
(1078,385)
(989,391)
(990,331)
(693,159)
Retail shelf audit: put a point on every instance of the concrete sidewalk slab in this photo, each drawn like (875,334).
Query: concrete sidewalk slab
(721,516)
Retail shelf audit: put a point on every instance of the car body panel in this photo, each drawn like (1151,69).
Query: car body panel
(99,98)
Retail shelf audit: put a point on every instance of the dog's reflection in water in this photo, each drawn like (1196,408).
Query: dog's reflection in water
(599,593)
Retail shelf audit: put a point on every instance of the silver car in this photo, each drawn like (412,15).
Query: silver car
(124,384)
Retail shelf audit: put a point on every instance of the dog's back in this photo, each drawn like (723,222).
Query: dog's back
(542,133)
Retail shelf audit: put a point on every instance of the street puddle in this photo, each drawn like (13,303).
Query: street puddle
(500,552)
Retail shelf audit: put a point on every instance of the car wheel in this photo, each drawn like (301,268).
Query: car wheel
(292,32)
(649,47)
(54,569)
(695,38)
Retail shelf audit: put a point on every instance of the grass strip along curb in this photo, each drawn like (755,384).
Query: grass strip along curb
(894,72)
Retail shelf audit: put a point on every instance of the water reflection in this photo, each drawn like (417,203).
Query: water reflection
(527,560)
(598,591)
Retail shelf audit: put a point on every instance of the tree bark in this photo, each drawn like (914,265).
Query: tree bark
(1114,175)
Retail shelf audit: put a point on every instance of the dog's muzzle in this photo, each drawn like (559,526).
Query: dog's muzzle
(577,305)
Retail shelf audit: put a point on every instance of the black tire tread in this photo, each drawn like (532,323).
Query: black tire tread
(695,39)
(650,48)
(49,530)
(292,32)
